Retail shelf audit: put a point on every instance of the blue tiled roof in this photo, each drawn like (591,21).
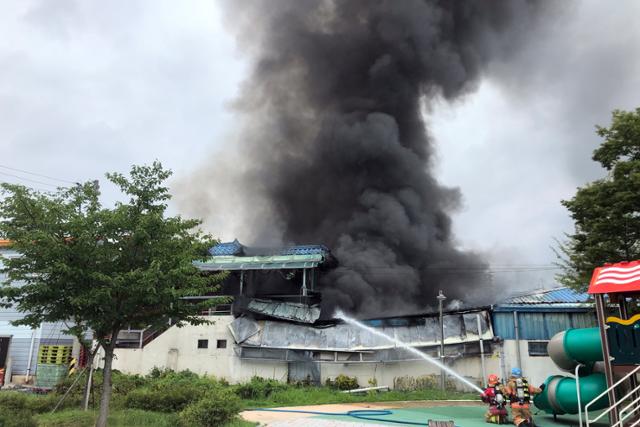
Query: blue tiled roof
(235,248)
(228,248)
(305,250)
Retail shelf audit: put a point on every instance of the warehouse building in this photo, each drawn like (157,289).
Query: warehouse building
(280,335)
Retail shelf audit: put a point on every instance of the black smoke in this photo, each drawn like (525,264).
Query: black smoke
(333,147)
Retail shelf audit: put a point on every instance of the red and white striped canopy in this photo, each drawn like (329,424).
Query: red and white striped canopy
(616,278)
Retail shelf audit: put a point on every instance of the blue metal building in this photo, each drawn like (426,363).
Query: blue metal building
(19,344)
(525,324)
(542,314)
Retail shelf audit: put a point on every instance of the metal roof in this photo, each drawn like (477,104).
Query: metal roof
(236,256)
(550,296)
(285,310)
(547,299)
(220,263)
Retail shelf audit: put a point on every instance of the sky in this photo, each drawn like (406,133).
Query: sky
(88,87)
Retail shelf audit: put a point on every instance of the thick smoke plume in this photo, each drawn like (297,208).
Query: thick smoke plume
(333,147)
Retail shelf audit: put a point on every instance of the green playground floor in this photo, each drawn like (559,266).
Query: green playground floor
(464,416)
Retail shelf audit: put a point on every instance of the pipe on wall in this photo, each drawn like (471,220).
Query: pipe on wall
(484,368)
(29,362)
(517,331)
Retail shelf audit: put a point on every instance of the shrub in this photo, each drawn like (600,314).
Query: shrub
(216,408)
(20,418)
(160,375)
(122,385)
(76,418)
(184,379)
(158,372)
(169,391)
(165,400)
(423,382)
(39,404)
(13,401)
(259,388)
(344,382)
(15,410)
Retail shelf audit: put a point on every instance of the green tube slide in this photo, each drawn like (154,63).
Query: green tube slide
(568,349)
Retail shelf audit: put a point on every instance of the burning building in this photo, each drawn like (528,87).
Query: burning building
(272,334)
(278,283)
(333,148)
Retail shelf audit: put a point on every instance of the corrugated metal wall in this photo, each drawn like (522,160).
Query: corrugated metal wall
(540,326)
(48,333)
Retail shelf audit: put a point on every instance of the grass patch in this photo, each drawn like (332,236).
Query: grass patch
(178,399)
(300,396)
(124,418)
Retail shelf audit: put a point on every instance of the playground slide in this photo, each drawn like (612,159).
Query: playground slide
(568,349)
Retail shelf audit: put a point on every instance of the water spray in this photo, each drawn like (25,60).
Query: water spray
(341,315)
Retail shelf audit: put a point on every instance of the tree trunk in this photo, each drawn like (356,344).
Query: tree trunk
(87,387)
(106,381)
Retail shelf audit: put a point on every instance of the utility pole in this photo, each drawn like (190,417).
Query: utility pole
(441,298)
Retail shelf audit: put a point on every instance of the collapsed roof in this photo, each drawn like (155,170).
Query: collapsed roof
(259,288)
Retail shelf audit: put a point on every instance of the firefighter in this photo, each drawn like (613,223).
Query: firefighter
(520,392)
(494,395)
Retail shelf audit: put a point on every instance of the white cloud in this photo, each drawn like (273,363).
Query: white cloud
(90,87)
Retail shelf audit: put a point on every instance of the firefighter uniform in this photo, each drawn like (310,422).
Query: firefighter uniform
(495,396)
(520,392)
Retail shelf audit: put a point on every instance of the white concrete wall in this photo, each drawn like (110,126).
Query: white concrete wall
(535,368)
(177,349)
(387,373)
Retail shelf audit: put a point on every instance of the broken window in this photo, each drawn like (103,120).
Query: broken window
(538,348)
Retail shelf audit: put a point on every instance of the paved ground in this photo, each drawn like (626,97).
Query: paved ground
(465,414)
(269,418)
(312,422)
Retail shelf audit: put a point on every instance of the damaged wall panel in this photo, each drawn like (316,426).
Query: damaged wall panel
(459,328)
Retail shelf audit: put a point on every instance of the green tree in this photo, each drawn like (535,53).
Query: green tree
(606,212)
(103,268)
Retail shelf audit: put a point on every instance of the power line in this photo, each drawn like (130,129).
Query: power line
(29,179)
(38,174)
(28,186)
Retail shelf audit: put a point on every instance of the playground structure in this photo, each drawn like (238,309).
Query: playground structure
(578,351)
(604,360)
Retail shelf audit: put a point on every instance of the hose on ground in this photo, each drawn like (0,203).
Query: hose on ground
(360,414)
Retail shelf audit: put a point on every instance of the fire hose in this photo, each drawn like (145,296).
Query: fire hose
(360,414)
